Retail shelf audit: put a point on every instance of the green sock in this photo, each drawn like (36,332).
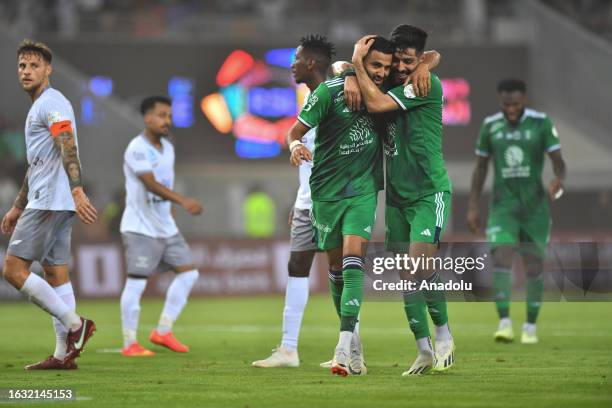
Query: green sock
(535,289)
(414,306)
(352,294)
(436,302)
(502,284)
(336,283)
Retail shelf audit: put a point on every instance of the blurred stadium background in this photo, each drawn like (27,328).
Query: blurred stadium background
(225,64)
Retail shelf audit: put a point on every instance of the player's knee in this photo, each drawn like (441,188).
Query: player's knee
(12,269)
(503,257)
(298,266)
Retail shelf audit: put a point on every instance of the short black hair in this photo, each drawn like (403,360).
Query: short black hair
(37,48)
(408,36)
(318,47)
(149,102)
(511,85)
(318,44)
(381,44)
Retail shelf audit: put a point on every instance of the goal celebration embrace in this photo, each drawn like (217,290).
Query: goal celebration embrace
(282,203)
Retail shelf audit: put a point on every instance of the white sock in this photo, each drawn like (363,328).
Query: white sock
(296,297)
(344,342)
(530,328)
(424,346)
(443,332)
(43,295)
(66,293)
(505,322)
(130,308)
(176,299)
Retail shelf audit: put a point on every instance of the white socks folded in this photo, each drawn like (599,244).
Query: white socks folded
(176,299)
(296,297)
(130,308)
(43,295)
(66,293)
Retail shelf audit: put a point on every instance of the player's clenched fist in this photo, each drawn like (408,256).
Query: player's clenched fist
(193,207)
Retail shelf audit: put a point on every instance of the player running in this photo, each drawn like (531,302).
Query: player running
(150,236)
(346,177)
(312,60)
(40,221)
(519,218)
(418,191)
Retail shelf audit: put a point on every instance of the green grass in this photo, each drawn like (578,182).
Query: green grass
(571,367)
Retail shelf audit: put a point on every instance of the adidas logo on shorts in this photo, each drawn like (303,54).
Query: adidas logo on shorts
(426,232)
(352,302)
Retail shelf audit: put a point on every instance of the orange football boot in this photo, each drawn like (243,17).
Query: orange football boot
(136,350)
(168,340)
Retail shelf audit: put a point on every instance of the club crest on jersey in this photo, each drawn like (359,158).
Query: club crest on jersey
(409,92)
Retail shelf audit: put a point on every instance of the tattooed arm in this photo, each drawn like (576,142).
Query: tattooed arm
(70,157)
(22,198)
(9,221)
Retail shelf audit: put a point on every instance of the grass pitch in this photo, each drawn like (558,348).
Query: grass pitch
(570,367)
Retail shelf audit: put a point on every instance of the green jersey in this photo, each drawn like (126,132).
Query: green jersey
(413,145)
(518,157)
(348,154)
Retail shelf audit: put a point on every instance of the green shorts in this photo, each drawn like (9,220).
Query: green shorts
(421,221)
(350,216)
(529,232)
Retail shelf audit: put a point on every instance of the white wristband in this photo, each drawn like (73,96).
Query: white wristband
(294,144)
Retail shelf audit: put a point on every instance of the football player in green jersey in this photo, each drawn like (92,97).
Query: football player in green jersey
(346,176)
(516,139)
(418,187)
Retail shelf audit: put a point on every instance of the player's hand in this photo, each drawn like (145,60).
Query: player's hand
(362,47)
(555,189)
(299,153)
(290,216)
(473,220)
(84,209)
(339,67)
(9,221)
(421,80)
(193,207)
(352,93)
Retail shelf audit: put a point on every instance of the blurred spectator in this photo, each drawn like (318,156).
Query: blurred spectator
(259,212)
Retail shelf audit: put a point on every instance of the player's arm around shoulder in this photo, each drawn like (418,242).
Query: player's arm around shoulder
(312,114)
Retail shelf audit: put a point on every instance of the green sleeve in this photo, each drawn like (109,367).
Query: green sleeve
(483,144)
(550,136)
(316,107)
(405,97)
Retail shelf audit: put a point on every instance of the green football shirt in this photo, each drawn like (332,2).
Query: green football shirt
(413,145)
(348,154)
(518,157)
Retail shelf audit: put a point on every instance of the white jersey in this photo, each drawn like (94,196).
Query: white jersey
(303,200)
(48,184)
(146,213)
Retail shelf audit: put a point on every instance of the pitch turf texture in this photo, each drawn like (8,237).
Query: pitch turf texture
(571,367)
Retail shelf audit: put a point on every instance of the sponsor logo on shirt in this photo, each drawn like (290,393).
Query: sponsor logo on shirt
(53,117)
(514,157)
